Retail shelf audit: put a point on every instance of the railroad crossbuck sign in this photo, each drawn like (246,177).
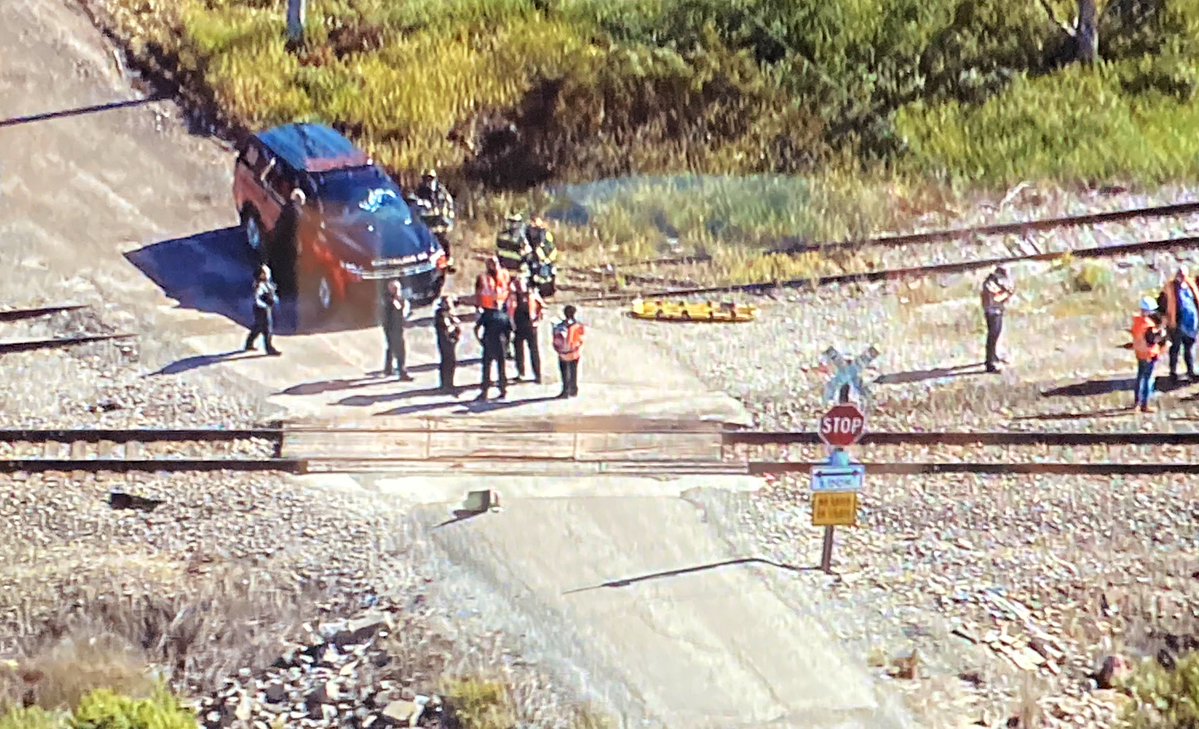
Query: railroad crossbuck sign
(843,425)
(848,373)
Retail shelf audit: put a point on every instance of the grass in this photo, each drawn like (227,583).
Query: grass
(761,120)
(1164,699)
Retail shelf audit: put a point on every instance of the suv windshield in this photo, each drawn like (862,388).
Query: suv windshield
(364,190)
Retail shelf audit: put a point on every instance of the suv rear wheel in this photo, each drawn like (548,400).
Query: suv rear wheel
(252,228)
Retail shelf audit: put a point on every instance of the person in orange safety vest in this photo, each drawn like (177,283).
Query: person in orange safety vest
(1147,335)
(491,287)
(568,343)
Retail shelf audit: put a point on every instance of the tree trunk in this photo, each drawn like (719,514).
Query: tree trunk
(1086,34)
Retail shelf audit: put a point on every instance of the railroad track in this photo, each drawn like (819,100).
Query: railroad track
(31,344)
(795,246)
(582,449)
(814,282)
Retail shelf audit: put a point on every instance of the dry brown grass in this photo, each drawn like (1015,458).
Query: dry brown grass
(196,630)
(62,673)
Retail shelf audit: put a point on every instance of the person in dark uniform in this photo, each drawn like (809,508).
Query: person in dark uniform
(525,310)
(285,246)
(449,331)
(265,298)
(492,330)
(997,290)
(395,312)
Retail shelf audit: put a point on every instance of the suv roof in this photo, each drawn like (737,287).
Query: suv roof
(313,148)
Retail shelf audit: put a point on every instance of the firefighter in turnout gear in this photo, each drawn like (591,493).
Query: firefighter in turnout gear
(512,244)
(542,258)
(436,208)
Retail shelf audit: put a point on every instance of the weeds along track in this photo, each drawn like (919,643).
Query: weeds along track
(565,452)
(891,257)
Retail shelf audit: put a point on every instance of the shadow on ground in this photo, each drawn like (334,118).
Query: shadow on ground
(937,373)
(1093,388)
(690,570)
(81,110)
(212,273)
(203,360)
(466,406)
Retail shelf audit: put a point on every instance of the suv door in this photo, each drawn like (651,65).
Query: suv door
(278,183)
(251,161)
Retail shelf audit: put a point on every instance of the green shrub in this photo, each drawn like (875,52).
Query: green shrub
(480,704)
(968,92)
(103,709)
(1165,699)
(1091,276)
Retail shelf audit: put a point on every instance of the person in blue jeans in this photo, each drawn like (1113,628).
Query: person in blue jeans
(1180,304)
(1147,345)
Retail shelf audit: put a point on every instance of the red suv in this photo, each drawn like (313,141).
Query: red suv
(355,226)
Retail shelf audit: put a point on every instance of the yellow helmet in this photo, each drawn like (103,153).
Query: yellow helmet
(514,218)
(429,172)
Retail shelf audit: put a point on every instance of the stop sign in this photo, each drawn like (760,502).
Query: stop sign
(843,425)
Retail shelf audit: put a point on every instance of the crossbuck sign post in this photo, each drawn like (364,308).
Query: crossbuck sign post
(836,486)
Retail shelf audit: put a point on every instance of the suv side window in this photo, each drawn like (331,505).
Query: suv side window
(279,179)
(252,157)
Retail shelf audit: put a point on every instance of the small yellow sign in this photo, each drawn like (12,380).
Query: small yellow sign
(835,509)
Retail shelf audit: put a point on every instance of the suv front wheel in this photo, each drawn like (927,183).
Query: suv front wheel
(320,296)
(251,227)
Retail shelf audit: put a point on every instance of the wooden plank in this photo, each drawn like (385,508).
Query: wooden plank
(557,446)
(349,444)
(649,446)
(475,423)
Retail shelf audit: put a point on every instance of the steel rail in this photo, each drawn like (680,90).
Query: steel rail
(1018,227)
(729,437)
(966,438)
(127,465)
(1093,468)
(17,314)
(896,273)
(27,345)
(794,245)
(128,435)
(753,468)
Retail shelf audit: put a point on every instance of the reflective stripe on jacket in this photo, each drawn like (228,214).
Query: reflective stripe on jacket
(511,247)
(1144,338)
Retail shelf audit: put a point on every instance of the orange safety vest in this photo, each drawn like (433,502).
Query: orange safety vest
(1172,300)
(1141,326)
(574,343)
(491,292)
(535,305)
